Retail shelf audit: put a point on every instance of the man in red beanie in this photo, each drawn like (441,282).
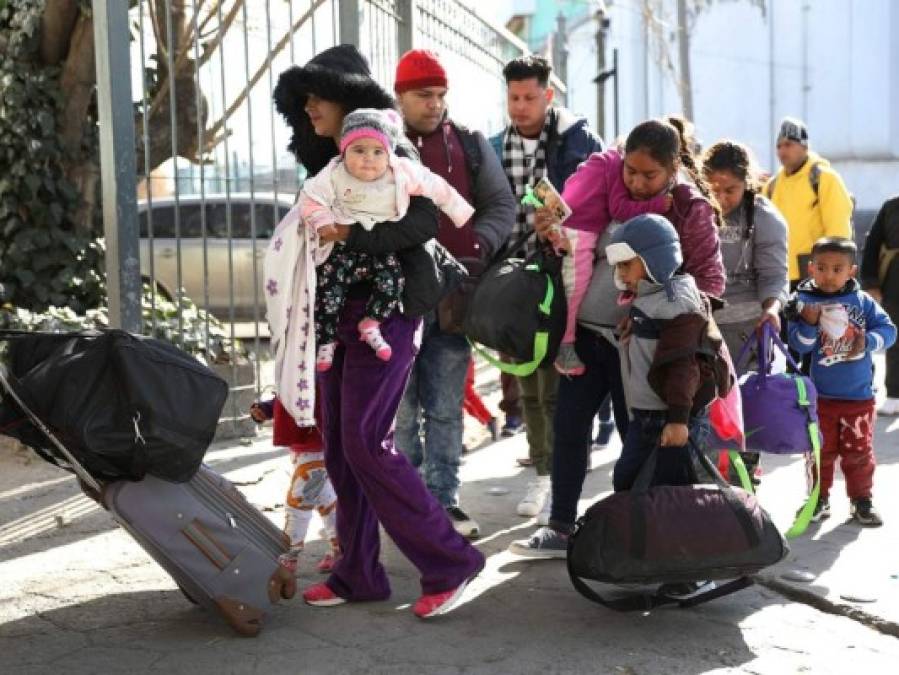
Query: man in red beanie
(436,387)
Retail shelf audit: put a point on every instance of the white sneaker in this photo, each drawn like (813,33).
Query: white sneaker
(535,497)
(543,516)
(890,407)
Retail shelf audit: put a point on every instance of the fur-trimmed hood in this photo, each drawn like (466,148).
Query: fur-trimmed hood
(339,74)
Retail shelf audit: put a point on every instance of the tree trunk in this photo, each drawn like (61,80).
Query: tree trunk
(57,23)
(683,43)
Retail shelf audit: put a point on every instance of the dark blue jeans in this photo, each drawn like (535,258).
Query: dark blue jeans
(675,466)
(429,419)
(577,402)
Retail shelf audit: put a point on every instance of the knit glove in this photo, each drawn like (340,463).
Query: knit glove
(567,361)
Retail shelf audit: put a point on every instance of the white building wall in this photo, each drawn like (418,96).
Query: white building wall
(845,52)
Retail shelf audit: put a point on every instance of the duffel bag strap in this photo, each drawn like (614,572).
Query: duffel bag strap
(541,342)
(645,602)
(804,517)
(740,467)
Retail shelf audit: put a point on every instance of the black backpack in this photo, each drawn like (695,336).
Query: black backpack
(123,405)
(518,308)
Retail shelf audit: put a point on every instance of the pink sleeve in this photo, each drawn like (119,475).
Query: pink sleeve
(585,192)
(425,183)
(622,207)
(577,271)
(314,214)
(702,249)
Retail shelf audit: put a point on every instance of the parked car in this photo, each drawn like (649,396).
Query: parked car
(225,249)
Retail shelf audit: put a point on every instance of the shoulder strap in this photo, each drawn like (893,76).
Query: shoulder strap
(814,177)
(769,190)
(470,147)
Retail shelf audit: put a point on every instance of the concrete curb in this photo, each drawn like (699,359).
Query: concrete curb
(822,604)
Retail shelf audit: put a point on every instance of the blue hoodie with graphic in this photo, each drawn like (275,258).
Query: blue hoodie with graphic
(843,315)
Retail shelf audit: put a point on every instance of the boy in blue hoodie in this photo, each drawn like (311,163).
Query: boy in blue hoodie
(840,325)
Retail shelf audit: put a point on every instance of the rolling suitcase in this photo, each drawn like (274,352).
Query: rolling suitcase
(219,549)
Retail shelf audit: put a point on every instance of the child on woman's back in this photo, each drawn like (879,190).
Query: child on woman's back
(598,188)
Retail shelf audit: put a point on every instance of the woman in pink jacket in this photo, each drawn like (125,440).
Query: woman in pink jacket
(657,160)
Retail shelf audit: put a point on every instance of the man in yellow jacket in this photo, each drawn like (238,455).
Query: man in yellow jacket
(810,195)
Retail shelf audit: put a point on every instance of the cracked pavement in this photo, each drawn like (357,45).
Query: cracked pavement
(78,596)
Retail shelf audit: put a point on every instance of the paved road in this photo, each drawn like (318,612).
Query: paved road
(79,597)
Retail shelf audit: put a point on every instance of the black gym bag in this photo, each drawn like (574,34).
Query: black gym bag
(518,308)
(124,405)
(670,534)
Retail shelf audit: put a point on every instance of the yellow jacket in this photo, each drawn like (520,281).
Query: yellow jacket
(810,217)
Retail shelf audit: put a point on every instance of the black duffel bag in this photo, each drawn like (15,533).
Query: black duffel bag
(431,273)
(518,308)
(123,405)
(671,534)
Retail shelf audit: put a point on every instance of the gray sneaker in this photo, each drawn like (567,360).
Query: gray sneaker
(545,543)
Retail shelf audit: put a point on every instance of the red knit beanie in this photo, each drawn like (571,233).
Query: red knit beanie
(417,69)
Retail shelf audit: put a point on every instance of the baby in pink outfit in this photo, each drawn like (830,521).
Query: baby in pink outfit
(366,184)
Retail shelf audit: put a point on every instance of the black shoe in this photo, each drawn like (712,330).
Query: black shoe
(685,590)
(603,435)
(462,523)
(821,512)
(493,427)
(862,510)
(513,425)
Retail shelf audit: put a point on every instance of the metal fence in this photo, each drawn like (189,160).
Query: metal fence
(193,156)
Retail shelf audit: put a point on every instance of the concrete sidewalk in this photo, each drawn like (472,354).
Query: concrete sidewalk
(80,597)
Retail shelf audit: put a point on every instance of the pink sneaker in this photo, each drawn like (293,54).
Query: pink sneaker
(319,595)
(370,333)
(325,357)
(436,604)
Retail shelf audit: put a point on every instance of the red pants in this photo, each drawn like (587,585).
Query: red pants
(848,431)
(472,403)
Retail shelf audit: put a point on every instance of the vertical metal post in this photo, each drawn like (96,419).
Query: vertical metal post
(560,49)
(349,22)
(405,37)
(600,83)
(112,39)
(617,74)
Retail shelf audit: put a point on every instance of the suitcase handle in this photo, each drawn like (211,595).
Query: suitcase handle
(79,470)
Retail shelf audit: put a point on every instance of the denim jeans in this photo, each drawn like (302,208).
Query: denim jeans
(675,466)
(577,403)
(429,419)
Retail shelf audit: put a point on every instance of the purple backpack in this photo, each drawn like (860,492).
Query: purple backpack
(780,412)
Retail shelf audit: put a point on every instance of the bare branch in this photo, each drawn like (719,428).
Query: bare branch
(278,47)
(163,89)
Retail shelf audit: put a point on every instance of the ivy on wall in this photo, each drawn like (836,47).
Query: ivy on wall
(45,259)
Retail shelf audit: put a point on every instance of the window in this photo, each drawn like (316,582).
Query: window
(162,221)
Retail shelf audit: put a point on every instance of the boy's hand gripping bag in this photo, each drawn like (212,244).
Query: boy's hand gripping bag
(671,534)
(780,412)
